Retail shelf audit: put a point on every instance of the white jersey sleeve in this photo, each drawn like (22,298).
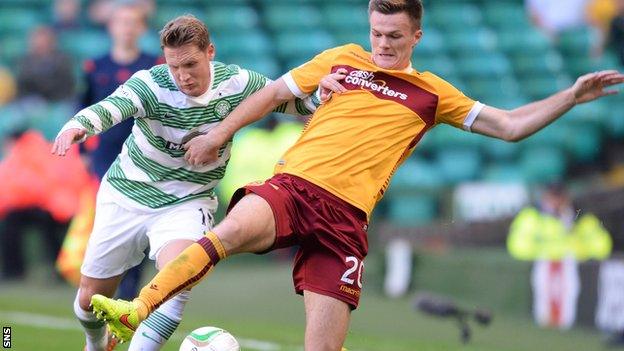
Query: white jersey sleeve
(132,99)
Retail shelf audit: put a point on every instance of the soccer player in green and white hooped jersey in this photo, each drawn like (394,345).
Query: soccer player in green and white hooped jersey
(152,190)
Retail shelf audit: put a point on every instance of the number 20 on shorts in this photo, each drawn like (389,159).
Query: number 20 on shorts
(355,268)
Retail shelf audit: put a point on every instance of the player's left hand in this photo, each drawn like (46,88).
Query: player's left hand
(331,84)
(202,150)
(592,86)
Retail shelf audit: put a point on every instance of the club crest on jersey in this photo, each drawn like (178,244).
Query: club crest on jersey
(222,108)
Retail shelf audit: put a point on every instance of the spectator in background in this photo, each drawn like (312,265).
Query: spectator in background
(66,15)
(33,195)
(103,76)
(616,32)
(45,72)
(556,240)
(7,86)
(556,16)
(600,13)
(101,11)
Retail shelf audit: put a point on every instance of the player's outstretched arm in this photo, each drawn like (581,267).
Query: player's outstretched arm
(517,124)
(64,140)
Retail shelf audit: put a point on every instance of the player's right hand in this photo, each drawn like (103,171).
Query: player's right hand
(331,84)
(202,150)
(66,139)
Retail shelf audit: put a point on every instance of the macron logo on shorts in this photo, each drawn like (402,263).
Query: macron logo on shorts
(350,291)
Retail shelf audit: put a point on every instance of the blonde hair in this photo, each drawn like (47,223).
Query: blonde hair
(183,30)
(413,8)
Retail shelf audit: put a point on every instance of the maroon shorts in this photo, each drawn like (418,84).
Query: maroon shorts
(330,232)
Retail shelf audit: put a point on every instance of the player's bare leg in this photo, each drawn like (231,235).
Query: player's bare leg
(327,322)
(249,227)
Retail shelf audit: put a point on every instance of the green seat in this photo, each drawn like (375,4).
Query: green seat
(504,172)
(13,47)
(470,41)
(291,2)
(458,165)
(502,14)
(583,141)
(282,18)
(577,41)
(438,64)
(221,2)
(553,136)
(431,43)
(579,65)
(543,164)
(169,11)
(505,101)
(52,120)
(223,18)
(444,136)
(484,65)
(540,87)
(504,87)
(341,16)
(415,176)
(594,112)
(150,42)
(13,119)
(614,119)
(453,15)
(83,44)
(265,65)
(526,64)
(302,44)
(499,150)
(16,20)
(411,210)
(358,36)
(254,43)
(528,41)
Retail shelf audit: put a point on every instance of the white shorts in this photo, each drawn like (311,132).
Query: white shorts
(120,236)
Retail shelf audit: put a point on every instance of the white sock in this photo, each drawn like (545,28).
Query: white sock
(95,330)
(153,332)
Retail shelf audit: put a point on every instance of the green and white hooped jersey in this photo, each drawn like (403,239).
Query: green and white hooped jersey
(150,172)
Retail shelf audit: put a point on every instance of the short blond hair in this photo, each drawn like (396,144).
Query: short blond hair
(183,30)
(413,8)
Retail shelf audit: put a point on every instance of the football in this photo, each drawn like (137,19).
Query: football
(209,339)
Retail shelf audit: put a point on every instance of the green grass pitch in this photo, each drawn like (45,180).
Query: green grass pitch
(253,299)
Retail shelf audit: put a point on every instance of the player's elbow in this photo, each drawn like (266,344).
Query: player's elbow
(512,136)
(280,92)
(508,129)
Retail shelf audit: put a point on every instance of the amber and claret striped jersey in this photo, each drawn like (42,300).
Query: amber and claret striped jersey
(355,141)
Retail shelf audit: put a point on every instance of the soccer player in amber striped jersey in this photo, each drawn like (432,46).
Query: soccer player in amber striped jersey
(151,190)
(325,187)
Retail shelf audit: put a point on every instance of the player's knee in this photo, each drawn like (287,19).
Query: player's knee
(81,303)
(229,233)
(84,299)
